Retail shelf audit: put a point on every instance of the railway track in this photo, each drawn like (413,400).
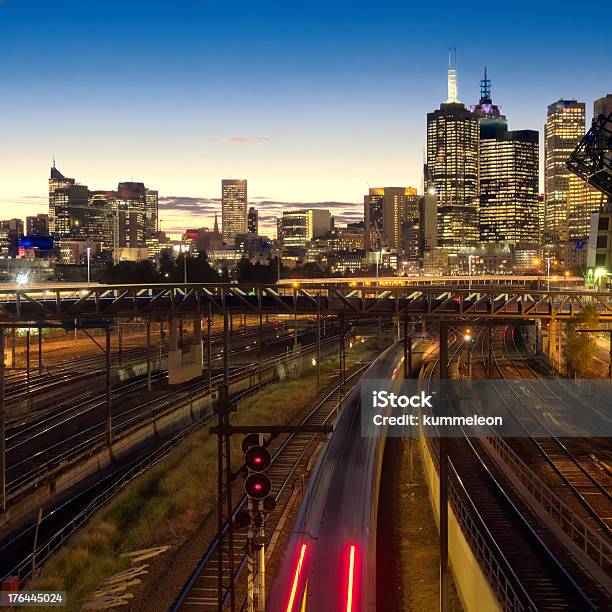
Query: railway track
(201,589)
(71,371)
(566,457)
(27,468)
(522,570)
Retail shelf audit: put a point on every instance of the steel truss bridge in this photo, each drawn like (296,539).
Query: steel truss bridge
(35,306)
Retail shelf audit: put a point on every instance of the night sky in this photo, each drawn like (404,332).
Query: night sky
(311,101)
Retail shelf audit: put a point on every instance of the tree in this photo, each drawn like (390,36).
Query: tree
(198,270)
(258,274)
(127,272)
(580,347)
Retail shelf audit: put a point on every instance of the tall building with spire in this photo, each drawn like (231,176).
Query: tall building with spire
(508,176)
(565,126)
(452,162)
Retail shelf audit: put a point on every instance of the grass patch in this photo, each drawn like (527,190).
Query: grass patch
(172,499)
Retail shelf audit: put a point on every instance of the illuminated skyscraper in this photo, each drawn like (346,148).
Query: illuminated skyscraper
(564,128)
(508,176)
(233,209)
(37,225)
(297,227)
(509,187)
(452,160)
(131,205)
(582,201)
(386,210)
(152,210)
(253,225)
(68,203)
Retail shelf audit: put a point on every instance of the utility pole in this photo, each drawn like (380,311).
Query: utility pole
(2,423)
(109,416)
(149,354)
(209,348)
(319,342)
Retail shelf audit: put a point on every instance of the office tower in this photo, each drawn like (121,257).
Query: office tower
(5,243)
(300,226)
(452,161)
(130,206)
(233,209)
(152,210)
(349,238)
(385,210)
(14,229)
(100,221)
(564,128)
(252,222)
(582,201)
(64,194)
(509,186)
(428,223)
(508,176)
(37,225)
(603,106)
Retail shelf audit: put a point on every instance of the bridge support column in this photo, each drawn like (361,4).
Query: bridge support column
(550,342)
(423,325)
(560,345)
(13,347)
(198,356)
(120,338)
(28,360)
(40,349)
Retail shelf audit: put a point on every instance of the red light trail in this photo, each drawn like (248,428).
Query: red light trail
(296,578)
(351,580)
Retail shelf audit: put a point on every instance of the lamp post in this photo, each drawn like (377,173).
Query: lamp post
(548,258)
(88,266)
(470,272)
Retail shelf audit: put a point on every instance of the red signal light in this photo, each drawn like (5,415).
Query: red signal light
(258,458)
(258,486)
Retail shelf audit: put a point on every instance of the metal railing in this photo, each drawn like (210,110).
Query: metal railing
(594,546)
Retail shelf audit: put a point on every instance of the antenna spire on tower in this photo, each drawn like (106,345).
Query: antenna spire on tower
(485,89)
(452,77)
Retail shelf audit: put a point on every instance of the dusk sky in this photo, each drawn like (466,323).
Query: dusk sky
(311,101)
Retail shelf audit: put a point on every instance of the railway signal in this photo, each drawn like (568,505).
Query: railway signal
(257,486)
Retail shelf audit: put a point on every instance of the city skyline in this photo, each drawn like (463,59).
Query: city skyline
(312,129)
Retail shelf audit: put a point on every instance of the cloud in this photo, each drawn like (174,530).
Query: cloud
(245,140)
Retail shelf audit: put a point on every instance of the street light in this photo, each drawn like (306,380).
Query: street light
(23,278)
(548,258)
(470,271)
